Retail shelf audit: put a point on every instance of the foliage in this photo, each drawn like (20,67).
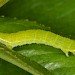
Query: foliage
(57,16)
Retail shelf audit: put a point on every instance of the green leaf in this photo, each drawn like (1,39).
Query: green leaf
(19,60)
(10,69)
(57,16)
(54,60)
(22,61)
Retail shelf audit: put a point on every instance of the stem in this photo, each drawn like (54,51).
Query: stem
(23,62)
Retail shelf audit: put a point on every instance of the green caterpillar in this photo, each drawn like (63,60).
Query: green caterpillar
(2,2)
(40,37)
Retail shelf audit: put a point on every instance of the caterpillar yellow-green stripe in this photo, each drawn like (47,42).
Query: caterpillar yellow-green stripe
(40,37)
(2,2)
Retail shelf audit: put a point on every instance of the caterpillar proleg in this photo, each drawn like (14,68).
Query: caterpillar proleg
(40,37)
(2,2)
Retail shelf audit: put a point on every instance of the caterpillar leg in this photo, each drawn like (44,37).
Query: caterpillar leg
(66,52)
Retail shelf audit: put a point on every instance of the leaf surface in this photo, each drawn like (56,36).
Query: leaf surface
(57,16)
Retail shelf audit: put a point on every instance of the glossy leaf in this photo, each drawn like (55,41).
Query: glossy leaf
(57,16)
(51,58)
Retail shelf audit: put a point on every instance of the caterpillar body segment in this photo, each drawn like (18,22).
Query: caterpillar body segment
(40,37)
(51,39)
(72,47)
